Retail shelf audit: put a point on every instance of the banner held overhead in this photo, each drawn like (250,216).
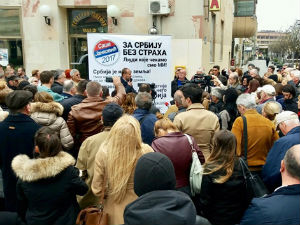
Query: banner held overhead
(148,57)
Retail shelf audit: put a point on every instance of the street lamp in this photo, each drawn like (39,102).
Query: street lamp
(113,11)
(45,11)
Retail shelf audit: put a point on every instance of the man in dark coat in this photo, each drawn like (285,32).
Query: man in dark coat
(59,79)
(289,125)
(145,117)
(75,99)
(17,137)
(126,80)
(283,205)
(158,202)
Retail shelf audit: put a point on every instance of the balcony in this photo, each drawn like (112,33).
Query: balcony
(245,21)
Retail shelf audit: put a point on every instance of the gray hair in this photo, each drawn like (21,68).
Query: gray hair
(246,100)
(296,73)
(68,85)
(216,92)
(254,71)
(93,88)
(73,71)
(292,161)
(178,97)
(143,100)
(58,73)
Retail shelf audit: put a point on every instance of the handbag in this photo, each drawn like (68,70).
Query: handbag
(196,171)
(254,184)
(94,215)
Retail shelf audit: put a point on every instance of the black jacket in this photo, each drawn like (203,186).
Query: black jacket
(16,137)
(57,87)
(174,85)
(158,203)
(223,203)
(127,87)
(280,207)
(69,102)
(47,195)
(291,105)
(161,207)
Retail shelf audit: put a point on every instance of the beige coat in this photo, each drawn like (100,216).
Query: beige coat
(86,161)
(199,123)
(115,210)
(49,114)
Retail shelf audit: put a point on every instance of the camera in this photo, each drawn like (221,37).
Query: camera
(152,88)
(203,80)
(108,79)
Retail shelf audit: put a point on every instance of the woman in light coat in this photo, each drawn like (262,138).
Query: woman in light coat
(115,162)
(46,112)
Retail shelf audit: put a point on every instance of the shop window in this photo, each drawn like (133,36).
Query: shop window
(81,22)
(10,37)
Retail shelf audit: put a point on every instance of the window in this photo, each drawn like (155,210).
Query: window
(10,37)
(212,38)
(81,22)
(244,8)
(222,40)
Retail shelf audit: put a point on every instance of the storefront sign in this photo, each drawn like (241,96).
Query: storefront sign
(87,21)
(3,56)
(148,57)
(214,5)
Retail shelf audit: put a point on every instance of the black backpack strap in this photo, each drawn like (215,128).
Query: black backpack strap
(245,137)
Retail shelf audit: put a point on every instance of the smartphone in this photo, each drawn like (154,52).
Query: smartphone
(108,79)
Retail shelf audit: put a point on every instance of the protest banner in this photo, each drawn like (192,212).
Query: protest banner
(148,57)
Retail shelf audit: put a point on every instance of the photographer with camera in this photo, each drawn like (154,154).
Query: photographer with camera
(126,80)
(178,82)
(149,88)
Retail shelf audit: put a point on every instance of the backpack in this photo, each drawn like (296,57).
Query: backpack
(196,171)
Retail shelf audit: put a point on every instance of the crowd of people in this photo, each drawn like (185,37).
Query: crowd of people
(66,141)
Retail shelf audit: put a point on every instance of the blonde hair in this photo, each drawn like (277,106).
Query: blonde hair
(4,90)
(129,103)
(43,97)
(222,156)
(124,148)
(270,110)
(164,124)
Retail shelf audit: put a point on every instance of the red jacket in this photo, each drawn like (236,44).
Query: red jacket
(177,147)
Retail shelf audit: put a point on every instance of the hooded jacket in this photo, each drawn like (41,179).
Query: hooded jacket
(47,189)
(49,114)
(158,202)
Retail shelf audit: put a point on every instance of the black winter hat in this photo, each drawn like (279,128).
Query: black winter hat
(154,171)
(18,99)
(111,113)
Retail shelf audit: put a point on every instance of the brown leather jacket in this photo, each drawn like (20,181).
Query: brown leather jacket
(84,119)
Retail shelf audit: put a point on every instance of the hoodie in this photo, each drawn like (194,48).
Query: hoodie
(158,202)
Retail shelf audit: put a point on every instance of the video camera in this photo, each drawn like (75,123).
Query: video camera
(203,80)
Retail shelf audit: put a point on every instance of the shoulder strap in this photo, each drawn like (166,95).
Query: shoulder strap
(245,137)
(103,190)
(191,142)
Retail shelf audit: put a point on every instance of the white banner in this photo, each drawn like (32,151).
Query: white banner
(148,57)
(3,56)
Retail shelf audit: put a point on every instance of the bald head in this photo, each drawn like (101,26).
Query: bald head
(178,98)
(292,162)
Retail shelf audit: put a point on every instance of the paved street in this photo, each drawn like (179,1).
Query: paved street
(258,63)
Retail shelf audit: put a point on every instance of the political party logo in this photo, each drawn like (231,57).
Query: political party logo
(106,52)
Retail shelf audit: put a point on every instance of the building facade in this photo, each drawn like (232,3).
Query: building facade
(200,37)
(266,38)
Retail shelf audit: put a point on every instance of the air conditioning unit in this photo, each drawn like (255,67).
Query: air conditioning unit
(159,7)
